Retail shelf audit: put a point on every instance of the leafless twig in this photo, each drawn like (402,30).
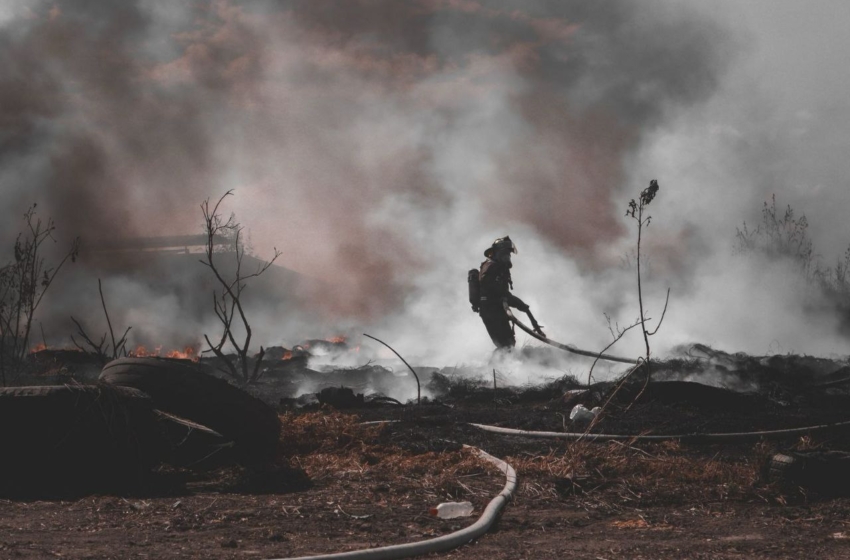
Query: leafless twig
(617,336)
(418,389)
(119,347)
(636,212)
(94,348)
(23,283)
(227,300)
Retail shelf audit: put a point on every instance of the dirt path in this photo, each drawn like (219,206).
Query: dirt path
(274,526)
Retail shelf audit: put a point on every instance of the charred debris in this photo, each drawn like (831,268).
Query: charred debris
(294,377)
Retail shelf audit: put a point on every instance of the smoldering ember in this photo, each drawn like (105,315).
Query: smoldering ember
(233,315)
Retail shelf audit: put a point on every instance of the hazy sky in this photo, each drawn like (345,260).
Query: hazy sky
(798,116)
(382,145)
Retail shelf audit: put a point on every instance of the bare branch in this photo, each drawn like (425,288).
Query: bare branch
(23,284)
(227,298)
(231,369)
(666,300)
(418,389)
(636,211)
(95,348)
(617,338)
(108,322)
(121,349)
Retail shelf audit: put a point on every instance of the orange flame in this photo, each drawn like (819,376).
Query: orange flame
(337,339)
(287,355)
(38,348)
(188,353)
(142,352)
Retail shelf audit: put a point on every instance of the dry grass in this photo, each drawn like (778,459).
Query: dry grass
(329,445)
(325,432)
(613,476)
(644,475)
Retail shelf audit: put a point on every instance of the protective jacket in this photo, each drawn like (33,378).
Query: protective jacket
(494,278)
(495,281)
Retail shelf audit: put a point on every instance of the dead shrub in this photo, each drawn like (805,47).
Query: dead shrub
(334,446)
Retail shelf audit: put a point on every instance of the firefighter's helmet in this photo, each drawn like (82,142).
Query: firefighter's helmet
(501,244)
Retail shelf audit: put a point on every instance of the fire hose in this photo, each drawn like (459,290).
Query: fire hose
(538,334)
(684,438)
(488,517)
(444,542)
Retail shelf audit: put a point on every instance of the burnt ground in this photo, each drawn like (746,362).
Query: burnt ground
(342,485)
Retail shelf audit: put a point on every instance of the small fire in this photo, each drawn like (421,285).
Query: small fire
(287,355)
(142,352)
(38,348)
(337,339)
(188,353)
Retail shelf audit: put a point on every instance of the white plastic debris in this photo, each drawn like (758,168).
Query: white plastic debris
(450,510)
(581,415)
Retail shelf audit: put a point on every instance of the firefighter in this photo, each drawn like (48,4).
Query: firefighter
(494,284)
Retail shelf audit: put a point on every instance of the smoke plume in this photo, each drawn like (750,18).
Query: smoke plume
(382,145)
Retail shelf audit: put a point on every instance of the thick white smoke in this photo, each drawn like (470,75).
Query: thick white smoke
(383,145)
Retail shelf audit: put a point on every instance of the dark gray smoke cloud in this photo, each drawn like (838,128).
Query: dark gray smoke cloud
(105,152)
(381,145)
(116,112)
(593,79)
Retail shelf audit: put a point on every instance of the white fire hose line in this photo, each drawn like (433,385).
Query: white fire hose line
(728,436)
(835,383)
(687,438)
(488,517)
(445,542)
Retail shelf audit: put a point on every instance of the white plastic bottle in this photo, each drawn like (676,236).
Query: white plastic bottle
(450,510)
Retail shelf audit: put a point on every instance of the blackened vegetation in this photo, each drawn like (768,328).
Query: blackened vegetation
(101,349)
(23,283)
(227,301)
(636,212)
(703,391)
(748,393)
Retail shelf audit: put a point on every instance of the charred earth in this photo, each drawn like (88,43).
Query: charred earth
(358,465)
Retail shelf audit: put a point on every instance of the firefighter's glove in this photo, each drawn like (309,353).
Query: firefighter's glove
(534,324)
(538,328)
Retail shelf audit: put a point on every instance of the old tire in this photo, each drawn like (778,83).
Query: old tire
(75,439)
(827,472)
(183,389)
(784,468)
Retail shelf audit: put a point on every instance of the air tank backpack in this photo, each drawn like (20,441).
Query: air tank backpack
(474,289)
